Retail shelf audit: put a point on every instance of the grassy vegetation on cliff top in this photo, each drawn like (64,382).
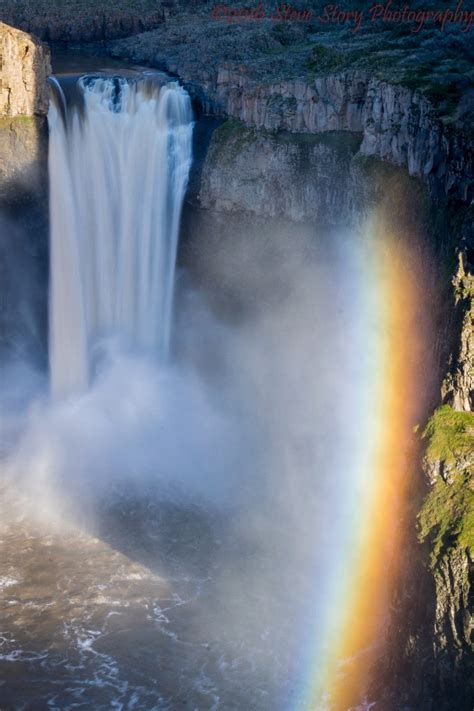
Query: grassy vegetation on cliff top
(447,516)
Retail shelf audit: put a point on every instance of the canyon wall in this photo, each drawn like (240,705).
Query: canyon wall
(24,67)
(396,123)
(298,178)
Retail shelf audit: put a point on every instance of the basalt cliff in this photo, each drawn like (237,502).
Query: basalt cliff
(24,68)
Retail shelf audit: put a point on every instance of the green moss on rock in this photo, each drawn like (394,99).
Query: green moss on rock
(230,136)
(450,434)
(446,519)
(12,121)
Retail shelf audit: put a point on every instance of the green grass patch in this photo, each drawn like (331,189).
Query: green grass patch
(450,434)
(12,121)
(446,518)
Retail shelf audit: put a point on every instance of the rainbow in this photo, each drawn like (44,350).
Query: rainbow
(379,472)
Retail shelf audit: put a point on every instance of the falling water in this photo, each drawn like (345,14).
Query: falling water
(118,166)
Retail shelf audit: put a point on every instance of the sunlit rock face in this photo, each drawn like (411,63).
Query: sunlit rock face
(24,67)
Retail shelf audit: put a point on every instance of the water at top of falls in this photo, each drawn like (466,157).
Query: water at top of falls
(118,171)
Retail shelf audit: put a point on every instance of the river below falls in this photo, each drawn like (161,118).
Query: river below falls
(134,619)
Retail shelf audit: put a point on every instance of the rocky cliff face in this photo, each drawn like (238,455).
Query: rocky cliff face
(24,99)
(396,123)
(446,528)
(315,178)
(453,628)
(23,236)
(321,179)
(458,388)
(453,465)
(310,178)
(430,641)
(24,68)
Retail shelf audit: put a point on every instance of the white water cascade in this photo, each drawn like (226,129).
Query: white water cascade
(118,167)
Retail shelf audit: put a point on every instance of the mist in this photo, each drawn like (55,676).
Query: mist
(252,422)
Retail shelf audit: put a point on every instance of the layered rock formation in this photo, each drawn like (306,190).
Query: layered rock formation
(449,506)
(458,388)
(397,124)
(299,178)
(446,523)
(268,77)
(24,68)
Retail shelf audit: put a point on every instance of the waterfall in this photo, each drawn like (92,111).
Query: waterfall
(118,166)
